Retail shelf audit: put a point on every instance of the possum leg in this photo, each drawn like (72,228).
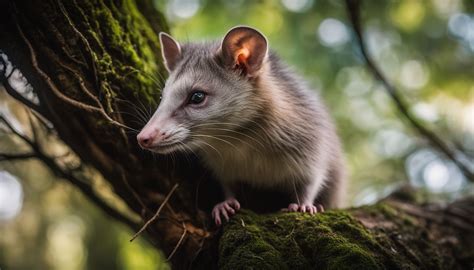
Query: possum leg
(226,208)
(304,197)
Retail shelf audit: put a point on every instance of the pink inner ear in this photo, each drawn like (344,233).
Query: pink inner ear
(241,59)
(242,55)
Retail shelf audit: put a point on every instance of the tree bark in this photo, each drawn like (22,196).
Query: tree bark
(92,63)
(103,57)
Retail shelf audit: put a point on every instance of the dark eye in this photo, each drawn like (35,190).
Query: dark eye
(197,97)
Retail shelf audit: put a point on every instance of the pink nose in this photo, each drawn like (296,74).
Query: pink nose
(145,138)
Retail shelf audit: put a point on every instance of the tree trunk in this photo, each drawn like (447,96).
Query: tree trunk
(106,55)
(91,63)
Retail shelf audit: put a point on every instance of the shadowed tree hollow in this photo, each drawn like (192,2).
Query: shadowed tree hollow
(95,67)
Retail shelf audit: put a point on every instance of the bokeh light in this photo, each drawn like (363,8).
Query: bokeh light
(297,5)
(333,32)
(66,244)
(427,169)
(11,196)
(413,75)
(425,111)
(461,26)
(392,143)
(182,9)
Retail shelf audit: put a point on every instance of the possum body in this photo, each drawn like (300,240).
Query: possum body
(250,119)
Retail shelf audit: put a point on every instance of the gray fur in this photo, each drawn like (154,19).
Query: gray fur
(270,131)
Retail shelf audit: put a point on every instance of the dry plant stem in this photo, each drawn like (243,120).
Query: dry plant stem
(181,239)
(157,214)
(437,142)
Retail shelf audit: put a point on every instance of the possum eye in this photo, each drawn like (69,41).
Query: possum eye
(196,97)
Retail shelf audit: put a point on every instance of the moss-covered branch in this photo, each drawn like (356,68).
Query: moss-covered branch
(389,235)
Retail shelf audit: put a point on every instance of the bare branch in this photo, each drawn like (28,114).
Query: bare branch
(17,133)
(50,162)
(157,214)
(354,15)
(14,157)
(179,243)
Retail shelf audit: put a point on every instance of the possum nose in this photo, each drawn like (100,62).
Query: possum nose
(145,138)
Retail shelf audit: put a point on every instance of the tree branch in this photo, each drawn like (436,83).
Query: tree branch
(50,162)
(17,133)
(157,214)
(13,157)
(353,9)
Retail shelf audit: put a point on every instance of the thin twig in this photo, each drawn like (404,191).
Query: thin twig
(179,243)
(13,157)
(16,132)
(156,214)
(437,142)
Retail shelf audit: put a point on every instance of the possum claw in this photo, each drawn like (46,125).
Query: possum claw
(304,208)
(225,209)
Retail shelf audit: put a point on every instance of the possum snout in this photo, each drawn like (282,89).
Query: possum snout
(162,135)
(151,136)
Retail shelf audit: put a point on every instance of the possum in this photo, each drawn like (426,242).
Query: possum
(250,120)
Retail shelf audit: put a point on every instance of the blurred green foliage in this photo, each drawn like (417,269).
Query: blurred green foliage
(426,48)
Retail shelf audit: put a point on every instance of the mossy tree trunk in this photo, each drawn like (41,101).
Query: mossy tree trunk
(103,57)
(89,62)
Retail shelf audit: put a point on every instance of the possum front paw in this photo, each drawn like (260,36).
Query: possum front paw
(226,208)
(304,208)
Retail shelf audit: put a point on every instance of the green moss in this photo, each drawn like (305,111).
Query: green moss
(333,240)
(125,50)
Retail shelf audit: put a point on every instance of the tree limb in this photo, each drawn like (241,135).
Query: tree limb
(50,162)
(353,9)
(14,157)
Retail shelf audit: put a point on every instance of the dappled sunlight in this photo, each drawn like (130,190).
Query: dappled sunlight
(333,33)
(65,248)
(182,9)
(297,5)
(426,169)
(11,196)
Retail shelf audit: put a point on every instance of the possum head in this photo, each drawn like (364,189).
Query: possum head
(210,90)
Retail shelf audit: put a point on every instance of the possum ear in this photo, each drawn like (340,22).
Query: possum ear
(170,50)
(244,49)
